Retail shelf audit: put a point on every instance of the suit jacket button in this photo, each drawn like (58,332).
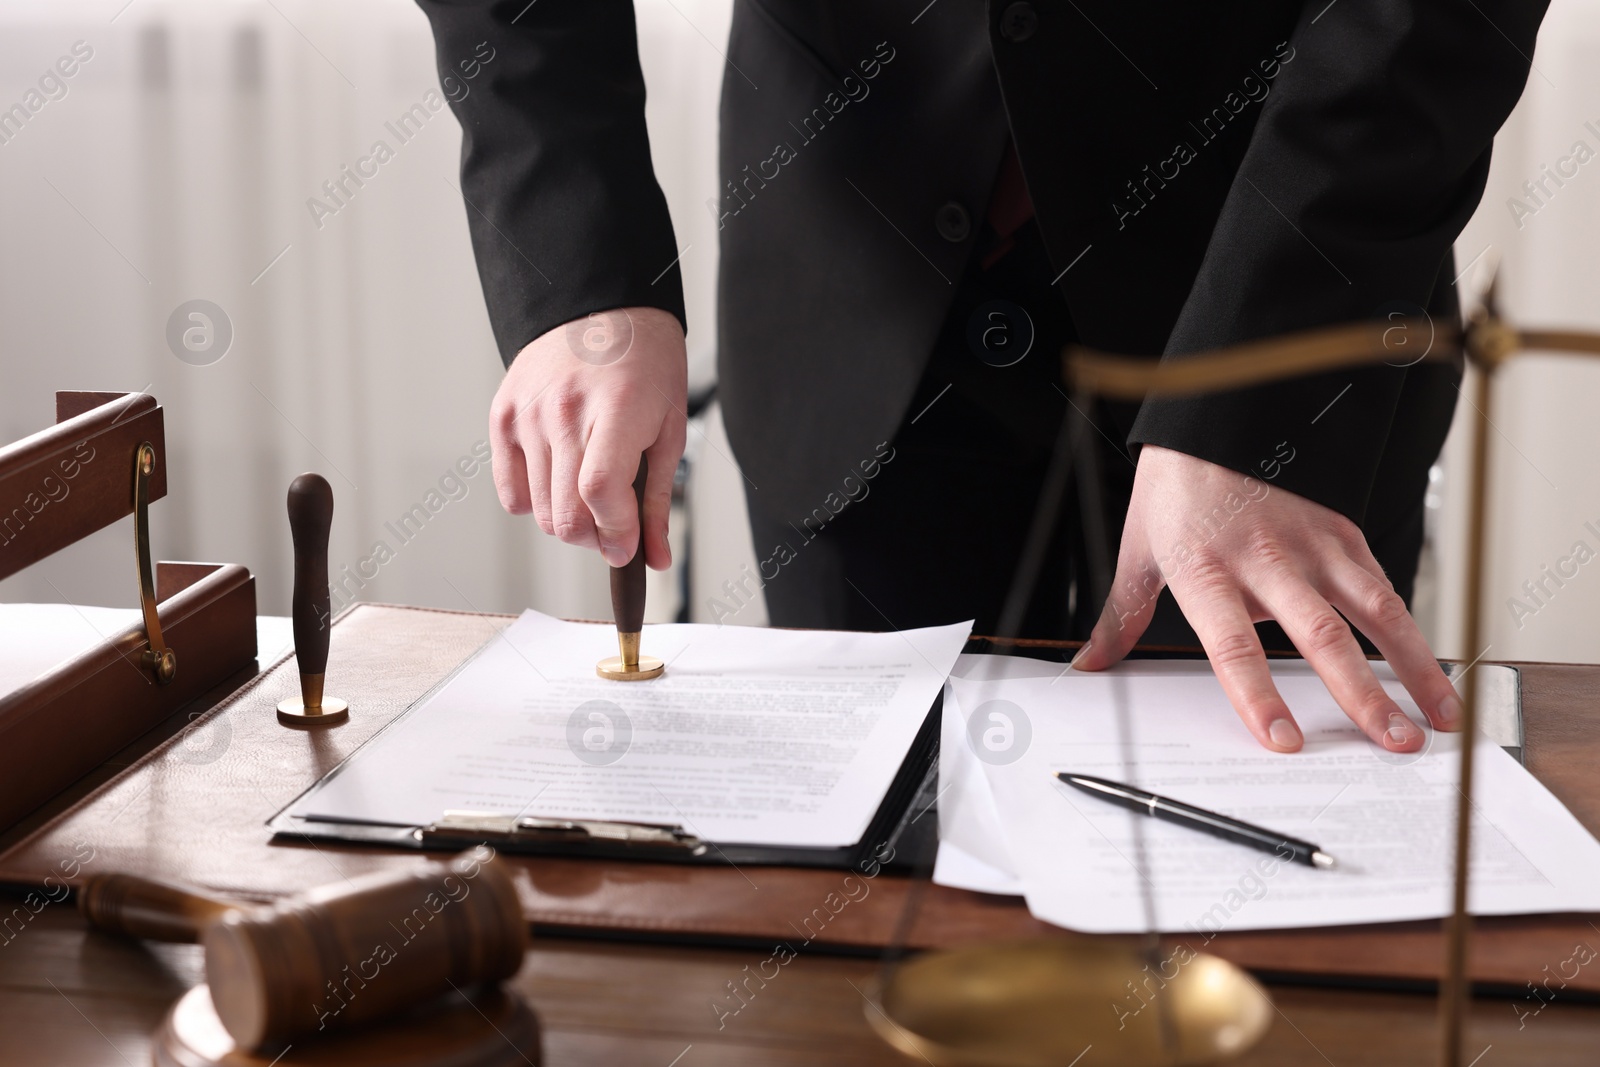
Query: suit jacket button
(1018,22)
(953,222)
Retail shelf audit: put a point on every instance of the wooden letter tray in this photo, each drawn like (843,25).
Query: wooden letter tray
(109,451)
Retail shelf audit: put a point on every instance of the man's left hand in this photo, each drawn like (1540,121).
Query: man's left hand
(1236,551)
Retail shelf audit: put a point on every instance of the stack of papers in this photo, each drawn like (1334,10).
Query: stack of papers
(1008,826)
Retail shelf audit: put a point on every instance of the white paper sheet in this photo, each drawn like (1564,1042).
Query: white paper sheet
(1389,819)
(954,866)
(39,637)
(972,843)
(752,736)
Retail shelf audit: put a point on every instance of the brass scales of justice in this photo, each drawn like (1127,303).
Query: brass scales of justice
(1039,1003)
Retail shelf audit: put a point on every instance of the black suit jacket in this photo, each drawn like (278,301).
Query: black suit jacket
(1204,174)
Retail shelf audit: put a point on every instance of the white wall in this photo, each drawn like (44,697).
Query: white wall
(1544,482)
(178,166)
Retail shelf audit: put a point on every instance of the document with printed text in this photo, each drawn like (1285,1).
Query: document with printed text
(1007,825)
(751,736)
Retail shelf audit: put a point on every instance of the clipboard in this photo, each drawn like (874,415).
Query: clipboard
(887,843)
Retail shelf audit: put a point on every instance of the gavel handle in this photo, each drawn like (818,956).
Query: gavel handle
(143,908)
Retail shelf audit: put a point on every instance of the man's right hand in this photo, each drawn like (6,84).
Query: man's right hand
(578,407)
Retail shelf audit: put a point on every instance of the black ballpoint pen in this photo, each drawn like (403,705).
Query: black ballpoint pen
(1175,811)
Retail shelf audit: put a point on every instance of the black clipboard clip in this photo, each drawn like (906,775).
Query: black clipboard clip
(455,827)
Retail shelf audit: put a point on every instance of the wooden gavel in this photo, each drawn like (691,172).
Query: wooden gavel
(338,955)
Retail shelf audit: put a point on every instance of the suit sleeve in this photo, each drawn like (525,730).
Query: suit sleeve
(563,205)
(1370,155)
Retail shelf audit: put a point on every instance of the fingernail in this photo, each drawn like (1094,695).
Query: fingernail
(1284,733)
(1084,651)
(1401,729)
(613,555)
(1450,710)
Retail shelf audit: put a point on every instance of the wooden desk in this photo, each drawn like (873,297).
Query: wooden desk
(73,998)
(78,999)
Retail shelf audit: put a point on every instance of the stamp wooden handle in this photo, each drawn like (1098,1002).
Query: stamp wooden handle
(627,581)
(310,518)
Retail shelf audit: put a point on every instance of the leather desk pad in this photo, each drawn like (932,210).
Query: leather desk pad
(194,811)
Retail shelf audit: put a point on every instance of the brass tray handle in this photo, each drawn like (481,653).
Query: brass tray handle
(161,660)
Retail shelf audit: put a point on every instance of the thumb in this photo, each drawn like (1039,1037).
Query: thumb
(1126,615)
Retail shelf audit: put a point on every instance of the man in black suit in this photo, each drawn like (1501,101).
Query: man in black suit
(922,202)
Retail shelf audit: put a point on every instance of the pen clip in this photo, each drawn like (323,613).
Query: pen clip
(456,825)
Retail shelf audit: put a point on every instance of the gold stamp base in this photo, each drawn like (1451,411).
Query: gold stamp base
(293,712)
(647,668)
